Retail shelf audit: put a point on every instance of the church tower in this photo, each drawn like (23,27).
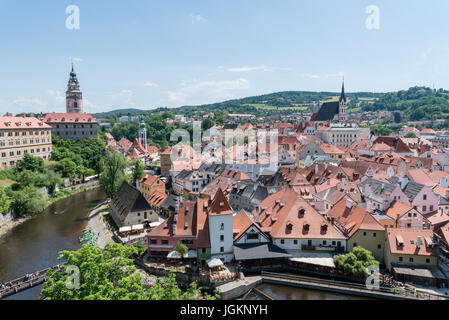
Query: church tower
(342,104)
(74,96)
(143,135)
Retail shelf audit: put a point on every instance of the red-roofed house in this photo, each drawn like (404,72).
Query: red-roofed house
(149,184)
(294,224)
(410,247)
(361,228)
(246,230)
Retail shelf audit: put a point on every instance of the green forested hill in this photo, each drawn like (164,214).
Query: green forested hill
(416,103)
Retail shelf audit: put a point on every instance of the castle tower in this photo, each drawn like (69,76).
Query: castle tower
(74,96)
(342,104)
(143,135)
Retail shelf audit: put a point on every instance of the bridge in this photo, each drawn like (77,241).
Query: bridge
(21,284)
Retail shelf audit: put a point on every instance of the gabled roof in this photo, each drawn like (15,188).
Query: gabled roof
(349,220)
(126,200)
(242,222)
(290,216)
(327,111)
(220,205)
(398,209)
(411,190)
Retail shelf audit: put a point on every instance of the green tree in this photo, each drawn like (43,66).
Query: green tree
(27,201)
(5,201)
(113,174)
(67,168)
(181,248)
(410,135)
(356,262)
(34,164)
(111,275)
(138,170)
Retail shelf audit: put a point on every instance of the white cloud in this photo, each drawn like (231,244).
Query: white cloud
(196,18)
(28,102)
(151,84)
(315,76)
(246,69)
(255,68)
(56,95)
(199,92)
(77,59)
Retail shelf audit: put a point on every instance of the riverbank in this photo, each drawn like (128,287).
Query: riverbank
(98,227)
(8,226)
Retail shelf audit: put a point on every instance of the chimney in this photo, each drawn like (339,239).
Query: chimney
(316,169)
(349,203)
(419,242)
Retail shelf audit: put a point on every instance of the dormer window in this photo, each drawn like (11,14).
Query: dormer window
(301,212)
(63,119)
(306,227)
(324,228)
(289,227)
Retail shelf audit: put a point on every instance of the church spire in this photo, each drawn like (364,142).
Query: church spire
(343,97)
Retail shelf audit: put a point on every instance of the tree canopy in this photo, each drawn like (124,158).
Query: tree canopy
(356,262)
(110,275)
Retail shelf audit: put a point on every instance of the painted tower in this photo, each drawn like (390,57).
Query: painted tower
(143,135)
(342,104)
(74,96)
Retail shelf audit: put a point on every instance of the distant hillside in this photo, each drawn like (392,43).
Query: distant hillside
(416,103)
(119,112)
(279,102)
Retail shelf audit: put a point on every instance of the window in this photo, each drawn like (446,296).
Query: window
(252,236)
(355,244)
(282,241)
(431,208)
(411,260)
(164,241)
(400,259)
(374,234)
(222,226)
(427,260)
(379,246)
(364,234)
(221,249)
(295,241)
(424,197)
(424,208)
(153,241)
(222,238)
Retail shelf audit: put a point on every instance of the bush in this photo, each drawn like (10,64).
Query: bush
(356,262)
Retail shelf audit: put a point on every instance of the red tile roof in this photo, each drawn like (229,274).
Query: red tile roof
(406,237)
(349,220)
(69,118)
(290,216)
(22,123)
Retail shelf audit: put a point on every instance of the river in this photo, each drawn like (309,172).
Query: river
(279,292)
(34,245)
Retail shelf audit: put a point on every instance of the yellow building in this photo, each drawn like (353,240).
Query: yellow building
(359,226)
(150,184)
(22,135)
(410,247)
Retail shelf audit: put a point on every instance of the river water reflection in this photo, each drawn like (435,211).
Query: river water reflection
(34,245)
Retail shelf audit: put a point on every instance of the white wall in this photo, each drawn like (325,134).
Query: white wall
(215,232)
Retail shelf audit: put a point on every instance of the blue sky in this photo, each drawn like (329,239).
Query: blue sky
(152,53)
